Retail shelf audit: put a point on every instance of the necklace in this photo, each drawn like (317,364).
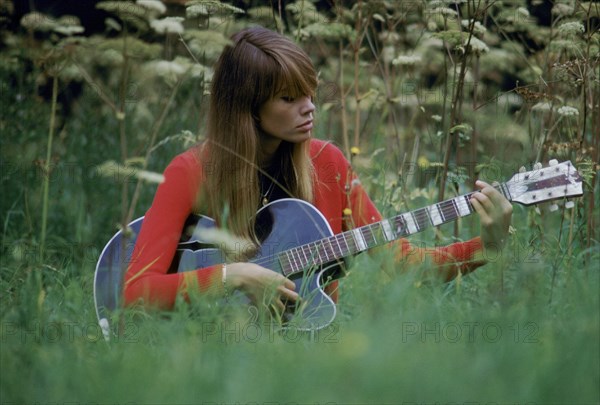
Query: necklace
(265,199)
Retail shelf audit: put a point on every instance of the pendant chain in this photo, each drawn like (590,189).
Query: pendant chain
(265,196)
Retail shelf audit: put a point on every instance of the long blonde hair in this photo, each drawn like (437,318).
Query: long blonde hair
(253,69)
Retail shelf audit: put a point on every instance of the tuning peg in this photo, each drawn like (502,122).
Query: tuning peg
(553,162)
(553,207)
(569,204)
(537,166)
(522,169)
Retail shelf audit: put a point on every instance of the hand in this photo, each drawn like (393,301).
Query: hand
(261,285)
(495,213)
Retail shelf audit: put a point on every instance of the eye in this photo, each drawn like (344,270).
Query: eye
(288,99)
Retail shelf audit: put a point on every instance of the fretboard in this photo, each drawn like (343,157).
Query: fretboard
(359,239)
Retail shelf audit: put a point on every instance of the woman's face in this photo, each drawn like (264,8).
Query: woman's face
(283,118)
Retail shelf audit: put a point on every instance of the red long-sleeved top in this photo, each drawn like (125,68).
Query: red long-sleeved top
(156,244)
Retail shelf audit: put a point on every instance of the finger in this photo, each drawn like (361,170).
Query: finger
(483,201)
(483,213)
(279,306)
(493,193)
(482,184)
(289,284)
(288,295)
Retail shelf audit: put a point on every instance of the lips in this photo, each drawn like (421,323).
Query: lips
(305,126)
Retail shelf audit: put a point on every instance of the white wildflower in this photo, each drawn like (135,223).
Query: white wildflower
(444,3)
(567,111)
(196,10)
(167,68)
(444,11)
(38,21)
(69,29)
(523,12)
(153,5)
(111,57)
(436,118)
(477,45)
(201,71)
(387,54)
(571,28)
(542,107)
(431,26)
(406,60)
(171,25)
(478,29)
(562,9)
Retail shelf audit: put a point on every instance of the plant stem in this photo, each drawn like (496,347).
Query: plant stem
(46,182)
(153,136)
(343,118)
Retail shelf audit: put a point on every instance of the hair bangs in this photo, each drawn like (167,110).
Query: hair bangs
(296,77)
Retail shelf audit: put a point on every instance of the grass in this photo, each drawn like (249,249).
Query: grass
(396,339)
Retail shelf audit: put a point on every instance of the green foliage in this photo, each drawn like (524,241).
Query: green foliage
(409,102)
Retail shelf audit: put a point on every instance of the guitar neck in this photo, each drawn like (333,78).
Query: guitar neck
(359,239)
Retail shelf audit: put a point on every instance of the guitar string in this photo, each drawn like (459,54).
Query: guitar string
(367,232)
(422,217)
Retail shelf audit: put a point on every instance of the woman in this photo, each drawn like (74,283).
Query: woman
(258,149)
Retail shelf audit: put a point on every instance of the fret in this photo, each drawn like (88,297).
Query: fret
(434,215)
(349,237)
(287,254)
(283,264)
(333,254)
(301,264)
(305,257)
(387,230)
(368,234)
(440,207)
(298,267)
(505,191)
(421,216)
(460,208)
(463,209)
(342,252)
(469,205)
(449,210)
(410,223)
(359,240)
(400,225)
(324,249)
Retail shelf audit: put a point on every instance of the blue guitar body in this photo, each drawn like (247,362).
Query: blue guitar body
(281,225)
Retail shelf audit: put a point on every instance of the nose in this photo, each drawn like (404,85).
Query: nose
(307,107)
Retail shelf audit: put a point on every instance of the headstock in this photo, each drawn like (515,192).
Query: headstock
(558,180)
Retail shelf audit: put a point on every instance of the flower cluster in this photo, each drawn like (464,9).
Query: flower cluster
(571,28)
(477,45)
(153,5)
(168,25)
(567,111)
(478,29)
(406,60)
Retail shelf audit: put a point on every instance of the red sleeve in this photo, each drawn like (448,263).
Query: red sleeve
(155,247)
(459,256)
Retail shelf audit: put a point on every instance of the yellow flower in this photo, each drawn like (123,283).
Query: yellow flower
(347,211)
(355,150)
(423,162)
